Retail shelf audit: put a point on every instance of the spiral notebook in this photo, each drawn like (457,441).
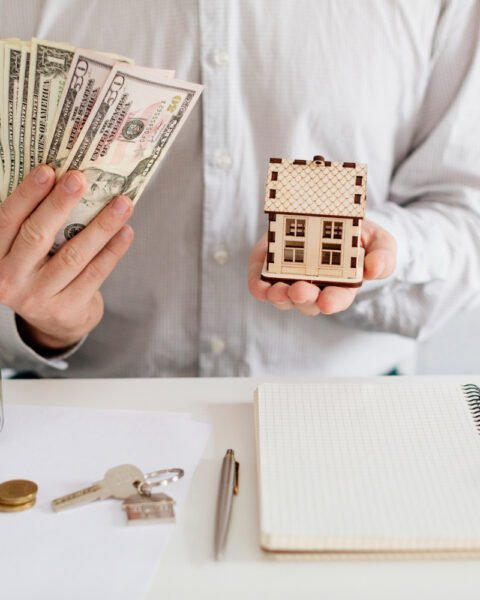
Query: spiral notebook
(387,467)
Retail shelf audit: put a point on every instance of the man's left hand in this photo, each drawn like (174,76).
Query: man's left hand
(380,261)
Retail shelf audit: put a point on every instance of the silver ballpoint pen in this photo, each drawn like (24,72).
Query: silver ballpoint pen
(228,487)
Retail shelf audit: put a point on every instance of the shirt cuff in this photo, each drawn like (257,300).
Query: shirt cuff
(15,353)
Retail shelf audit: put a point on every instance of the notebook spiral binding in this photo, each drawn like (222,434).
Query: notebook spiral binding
(472,394)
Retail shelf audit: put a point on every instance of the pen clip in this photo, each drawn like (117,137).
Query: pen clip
(237,478)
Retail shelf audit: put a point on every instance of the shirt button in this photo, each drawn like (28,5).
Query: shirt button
(223,161)
(220,256)
(220,58)
(217,345)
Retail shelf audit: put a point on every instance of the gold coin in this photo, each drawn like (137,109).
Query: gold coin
(18,507)
(17,491)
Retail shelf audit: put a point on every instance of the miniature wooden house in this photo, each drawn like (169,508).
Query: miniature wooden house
(156,508)
(315,211)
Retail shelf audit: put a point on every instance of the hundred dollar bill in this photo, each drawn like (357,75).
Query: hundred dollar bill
(49,66)
(88,73)
(12,57)
(138,114)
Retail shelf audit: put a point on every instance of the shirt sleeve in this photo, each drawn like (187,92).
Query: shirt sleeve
(16,354)
(434,206)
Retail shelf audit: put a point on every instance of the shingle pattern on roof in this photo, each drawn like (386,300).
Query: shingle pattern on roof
(316,188)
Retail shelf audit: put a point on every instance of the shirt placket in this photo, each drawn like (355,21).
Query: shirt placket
(218,343)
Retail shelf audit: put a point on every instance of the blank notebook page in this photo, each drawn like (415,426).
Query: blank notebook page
(367,467)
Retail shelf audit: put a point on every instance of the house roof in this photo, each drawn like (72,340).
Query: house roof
(316,187)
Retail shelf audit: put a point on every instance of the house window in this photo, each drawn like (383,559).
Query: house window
(331,254)
(338,230)
(295,227)
(294,252)
(333,227)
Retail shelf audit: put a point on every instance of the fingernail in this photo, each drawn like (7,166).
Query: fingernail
(72,183)
(42,175)
(120,205)
(126,233)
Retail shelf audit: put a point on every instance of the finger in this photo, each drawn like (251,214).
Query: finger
(96,272)
(379,263)
(37,233)
(258,288)
(309,309)
(277,294)
(334,299)
(21,202)
(302,292)
(380,252)
(304,296)
(74,256)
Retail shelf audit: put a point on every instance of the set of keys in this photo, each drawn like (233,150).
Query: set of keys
(129,484)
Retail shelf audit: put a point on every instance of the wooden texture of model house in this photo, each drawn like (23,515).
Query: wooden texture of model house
(315,209)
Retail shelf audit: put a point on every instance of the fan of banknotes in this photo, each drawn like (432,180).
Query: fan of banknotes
(92,111)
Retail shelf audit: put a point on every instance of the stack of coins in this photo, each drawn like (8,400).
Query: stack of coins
(17,495)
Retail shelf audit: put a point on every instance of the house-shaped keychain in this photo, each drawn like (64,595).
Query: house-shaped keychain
(155,508)
(315,209)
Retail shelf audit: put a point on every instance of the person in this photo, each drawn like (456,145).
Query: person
(100,188)
(392,84)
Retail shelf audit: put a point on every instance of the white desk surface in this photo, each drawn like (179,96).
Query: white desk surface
(187,569)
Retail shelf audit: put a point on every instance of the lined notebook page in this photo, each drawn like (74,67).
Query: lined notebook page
(367,467)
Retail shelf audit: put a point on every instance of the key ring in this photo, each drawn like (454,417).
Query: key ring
(145,487)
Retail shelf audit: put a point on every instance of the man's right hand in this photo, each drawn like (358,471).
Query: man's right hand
(57,298)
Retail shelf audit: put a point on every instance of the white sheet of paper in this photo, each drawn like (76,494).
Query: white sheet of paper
(89,551)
